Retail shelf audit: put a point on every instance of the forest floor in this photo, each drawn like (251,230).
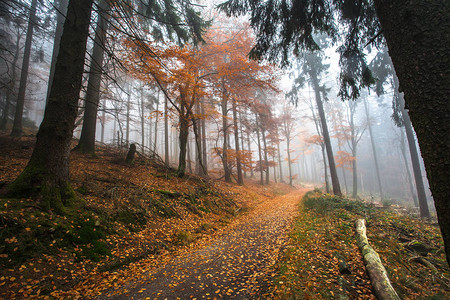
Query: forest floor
(140,232)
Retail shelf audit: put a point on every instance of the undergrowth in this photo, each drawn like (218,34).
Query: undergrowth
(323,261)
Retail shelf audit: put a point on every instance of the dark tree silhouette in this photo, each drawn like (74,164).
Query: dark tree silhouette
(46,176)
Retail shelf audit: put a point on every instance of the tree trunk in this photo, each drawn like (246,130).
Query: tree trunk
(204,154)
(408,172)
(166,132)
(374,151)
(46,177)
(279,161)
(61,16)
(156,124)
(127,132)
(242,141)
(324,157)
(415,160)
(188,154)
(240,180)
(142,115)
(326,136)
(198,139)
(225,137)
(251,157)
(378,276)
(87,138)
(355,176)
(417,36)
(288,150)
(259,152)
(184,134)
(18,116)
(266,159)
(11,85)
(102,136)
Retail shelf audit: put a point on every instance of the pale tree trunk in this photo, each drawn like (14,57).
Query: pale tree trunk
(142,116)
(372,142)
(156,124)
(18,116)
(251,157)
(46,176)
(127,129)
(166,132)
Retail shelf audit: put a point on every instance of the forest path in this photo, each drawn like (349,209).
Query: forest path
(237,265)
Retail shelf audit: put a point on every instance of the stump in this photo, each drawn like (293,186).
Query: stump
(130,154)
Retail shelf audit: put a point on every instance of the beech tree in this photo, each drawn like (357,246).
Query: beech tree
(416,33)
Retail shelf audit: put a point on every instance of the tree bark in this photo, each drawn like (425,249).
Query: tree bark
(184,134)
(326,136)
(417,36)
(166,131)
(61,15)
(240,180)
(46,176)
(18,116)
(225,136)
(377,273)
(266,159)
(87,138)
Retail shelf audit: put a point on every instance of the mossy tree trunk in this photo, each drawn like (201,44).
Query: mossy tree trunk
(46,177)
(417,33)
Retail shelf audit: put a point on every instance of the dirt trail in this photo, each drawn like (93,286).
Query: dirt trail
(236,265)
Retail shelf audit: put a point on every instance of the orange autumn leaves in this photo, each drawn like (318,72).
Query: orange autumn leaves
(192,72)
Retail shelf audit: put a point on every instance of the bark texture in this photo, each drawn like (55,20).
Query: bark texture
(46,177)
(380,282)
(417,33)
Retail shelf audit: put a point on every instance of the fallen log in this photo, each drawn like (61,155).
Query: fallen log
(377,273)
